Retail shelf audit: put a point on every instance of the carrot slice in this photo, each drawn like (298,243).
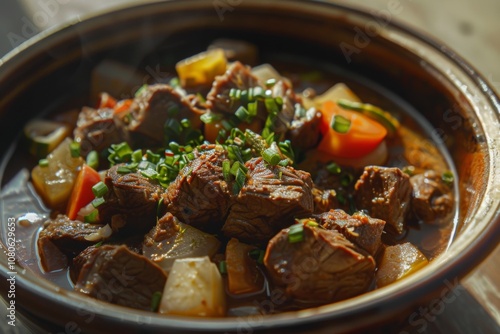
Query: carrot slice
(82,194)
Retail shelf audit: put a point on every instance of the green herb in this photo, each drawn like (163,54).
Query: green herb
(74,149)
(43,163)
(296,233)
(409,170)
(226,166)
(97,201)
(91,217)
(381,116)
(346,179)
(155,301)
(100,189)
(333,168)
(257,255)
(448,178)
(119,153)
(141,90)
(223,267)
(271,156)
(341,124)
(93,159)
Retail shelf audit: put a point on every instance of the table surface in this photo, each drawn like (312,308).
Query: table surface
(469,27)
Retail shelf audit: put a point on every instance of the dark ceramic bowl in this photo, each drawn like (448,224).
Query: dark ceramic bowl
(410,71)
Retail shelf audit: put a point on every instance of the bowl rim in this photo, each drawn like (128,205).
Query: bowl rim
(476,250)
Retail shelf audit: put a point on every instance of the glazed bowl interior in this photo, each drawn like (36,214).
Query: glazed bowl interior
(377,56)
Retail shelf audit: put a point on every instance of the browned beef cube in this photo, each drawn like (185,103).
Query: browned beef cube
(151,109)
(321,268)
(237,76)
(270,199)
(304,131)
(385,192)
(324,200)
(62,239)
(364,231)
(131,201)
(119,276)
(97,129)
(200,196)
(432,199)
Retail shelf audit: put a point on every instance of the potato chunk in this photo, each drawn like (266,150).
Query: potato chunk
(194,288)
(201,69)
(399,261)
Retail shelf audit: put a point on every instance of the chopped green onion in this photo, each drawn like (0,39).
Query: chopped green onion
(174,82)
(43,163)
(149,173)
(226,166)
(186,123)
(448,178)
(346,179)
(91,217)
(257,255)
(97,201)
(243,114)
(123,170)
(333,168)
(100,189)
(271,156)
(99,244)
(296,233)
(312,223)
(240,178)
(223,267)
(145,165)
(137,155)
(381,116)
(173,111)
(74,149)
(140,90)
(152,157)
(234,168)
(155,301)
(93,159)
(209,117)
(341,124)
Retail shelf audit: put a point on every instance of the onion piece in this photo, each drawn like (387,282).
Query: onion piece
(101,234)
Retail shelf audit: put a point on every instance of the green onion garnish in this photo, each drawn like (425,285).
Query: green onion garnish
(209,117)
(140,90)
(137,156)
(43,163)
(296,233)
(74,149)
(100,189)
(271,156)
(223,267)
(155,301)
(91,217)
(123,170)
(93,159)
(333,168)
(226,167)
(257,255)
(97,201)
(448,178)
(270,82)
(341,124)
(346,179)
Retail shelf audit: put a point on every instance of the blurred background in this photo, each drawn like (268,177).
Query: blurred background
(469,27)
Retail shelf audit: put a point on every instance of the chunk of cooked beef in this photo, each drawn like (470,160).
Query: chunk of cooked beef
(324,200)
(385,192)
(339,178)
(166,227)
(432,199)
(131,201)
(284,91)
(321,268)
(303,130)
(237,76)
(200,196)
(153,106)
(270,198)
(119,276)
(361,229)
(62,239)
(97,129)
